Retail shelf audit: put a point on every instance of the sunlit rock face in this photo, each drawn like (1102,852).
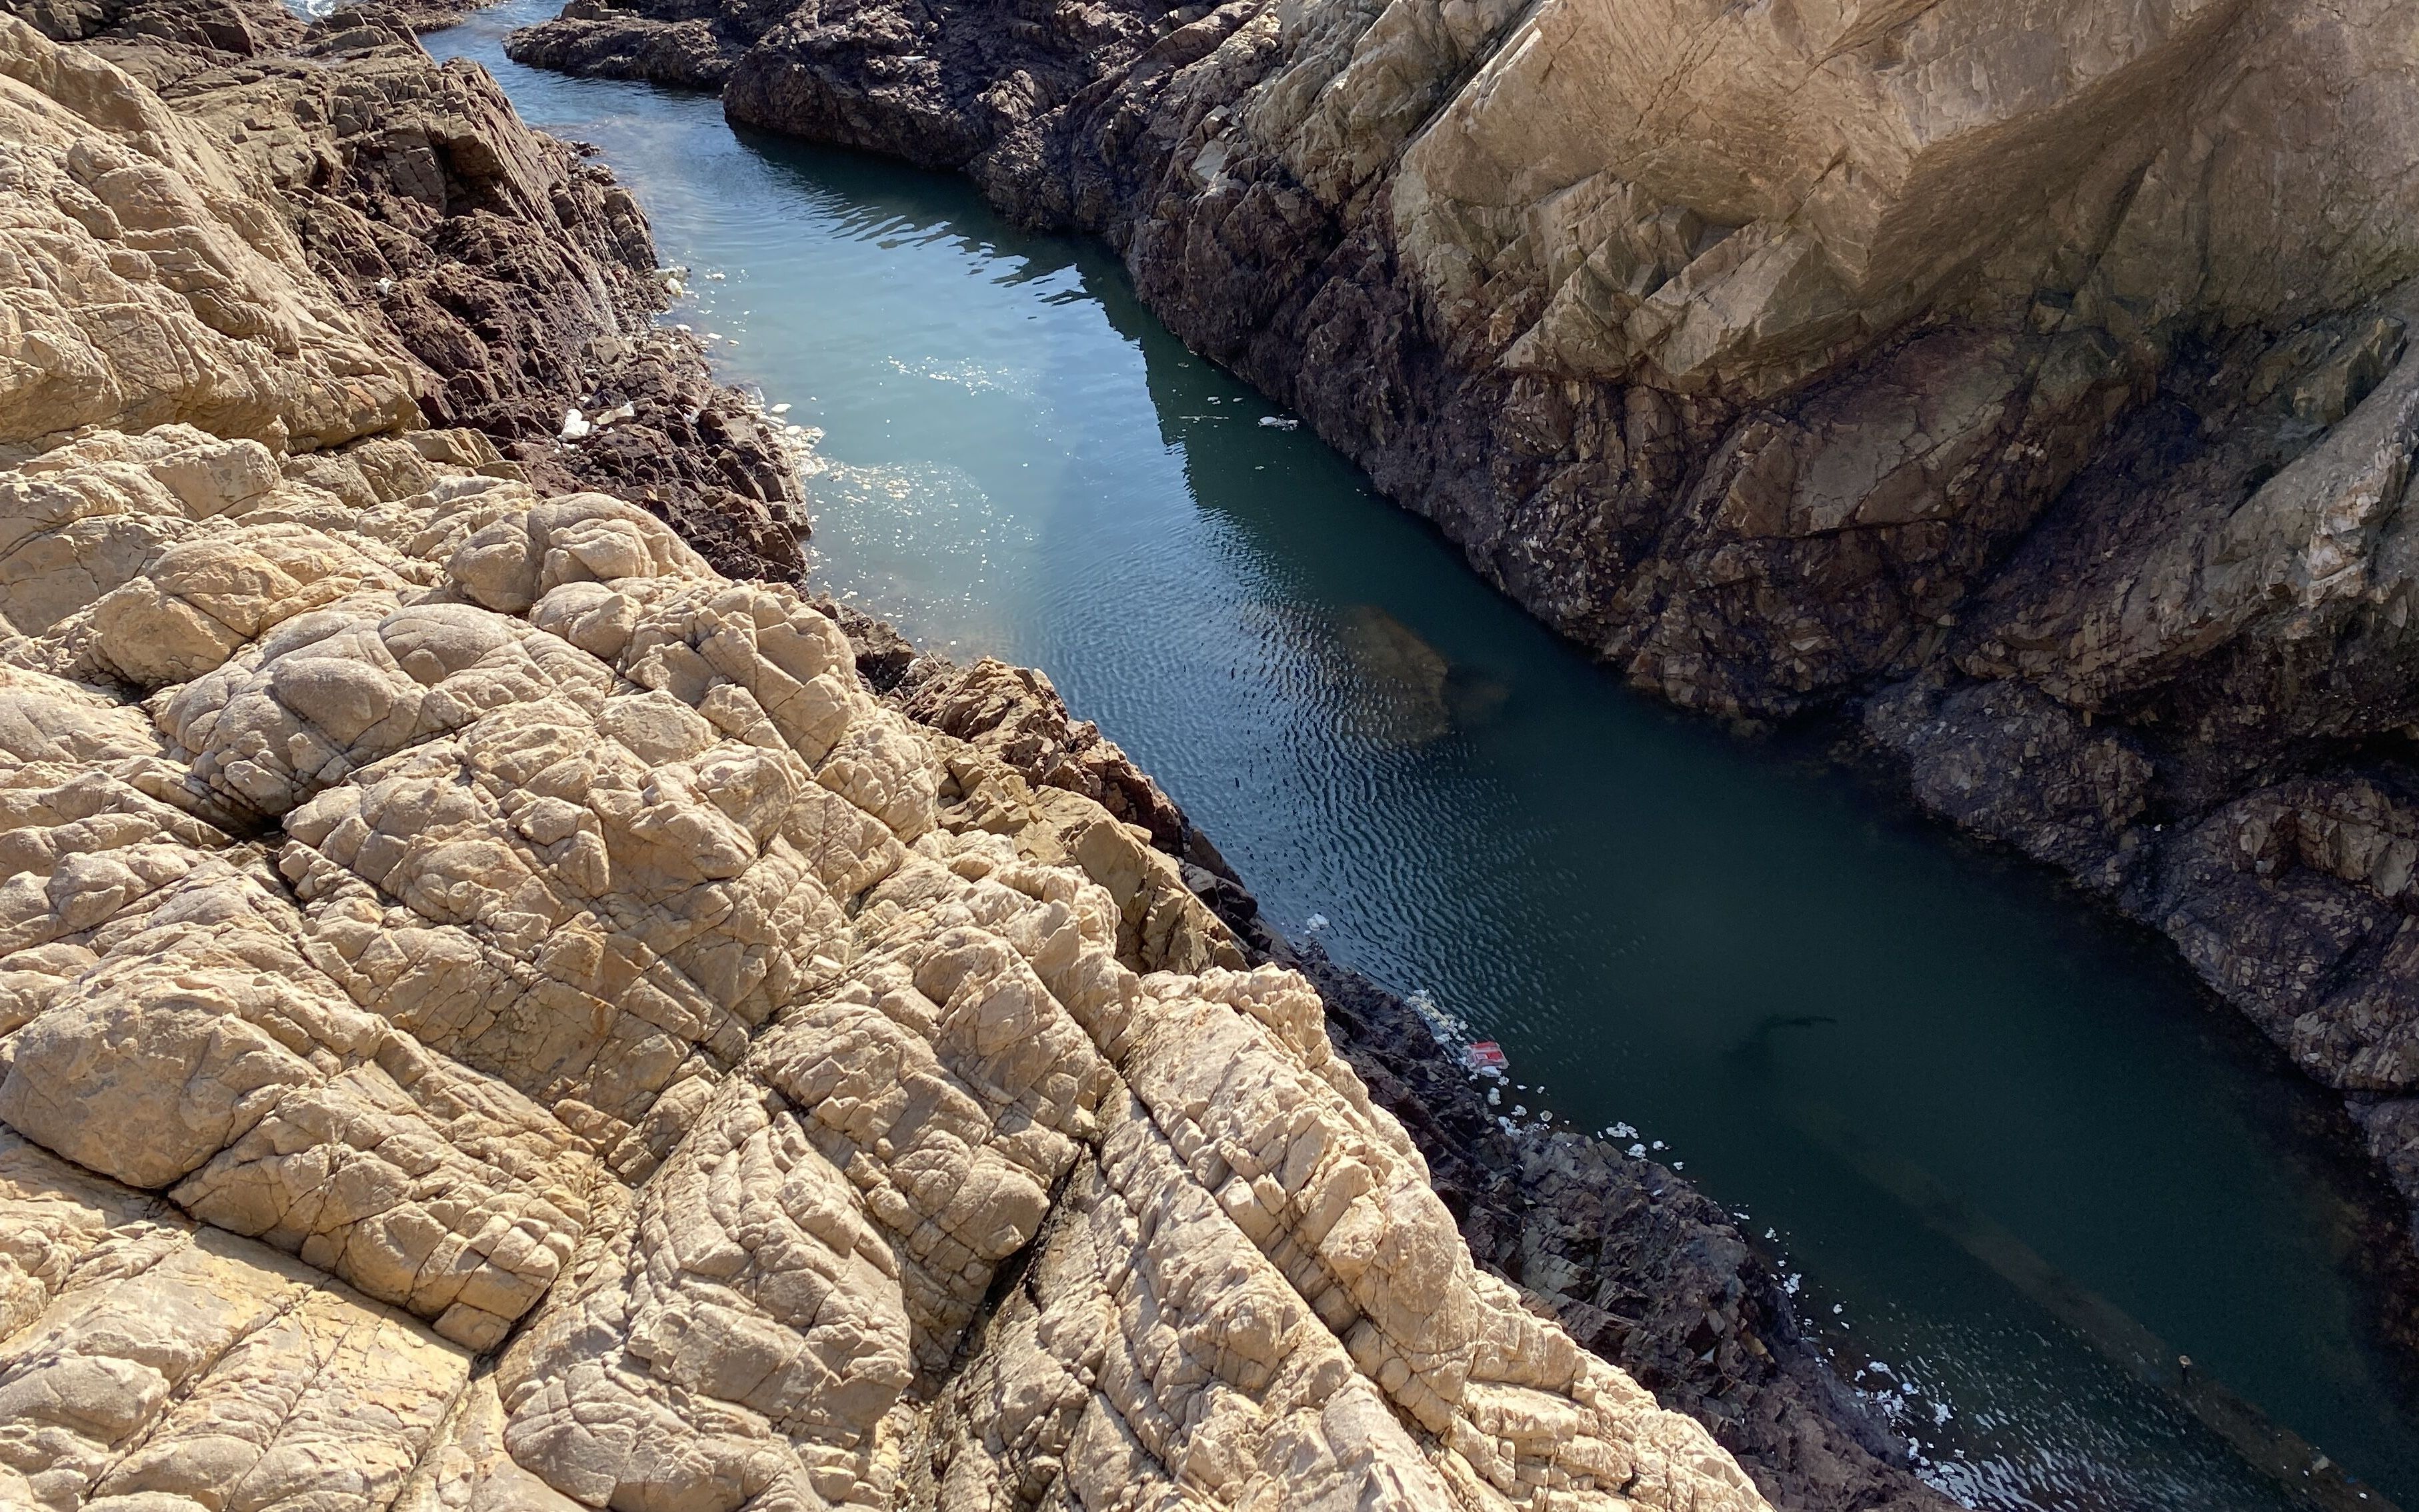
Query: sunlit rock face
(1723,199)
(495,1013)
(149,279)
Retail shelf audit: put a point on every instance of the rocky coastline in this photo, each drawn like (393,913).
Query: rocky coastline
(507,1002)
(2030,388)
(1635,1262)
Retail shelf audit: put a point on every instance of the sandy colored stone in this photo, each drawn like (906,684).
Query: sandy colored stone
(142,1354)
(440,916)
(147,279)
(2040,356)
(338,689)
(199,1053)
(1723,199)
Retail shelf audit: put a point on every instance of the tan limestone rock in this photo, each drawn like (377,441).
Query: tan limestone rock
(146,279)
(440,919)
(141,1354)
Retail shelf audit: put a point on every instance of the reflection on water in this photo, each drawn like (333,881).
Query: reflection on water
(1734,952)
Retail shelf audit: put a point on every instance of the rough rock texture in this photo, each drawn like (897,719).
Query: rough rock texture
(1634,1263)
(1014,715)
(152,1363)
(493,279)
(150,280)
(496,1013)
(2027,379)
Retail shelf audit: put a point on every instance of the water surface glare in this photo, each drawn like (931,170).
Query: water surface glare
(1801,995)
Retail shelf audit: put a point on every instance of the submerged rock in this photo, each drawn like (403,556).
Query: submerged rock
(1397,697)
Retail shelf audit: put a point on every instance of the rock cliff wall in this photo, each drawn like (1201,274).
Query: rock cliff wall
(2027,382)
(496,1013)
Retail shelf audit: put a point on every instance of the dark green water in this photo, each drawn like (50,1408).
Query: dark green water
(1022,461)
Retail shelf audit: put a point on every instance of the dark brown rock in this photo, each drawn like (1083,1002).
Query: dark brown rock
(599,40)
(2004,759)
(516,276)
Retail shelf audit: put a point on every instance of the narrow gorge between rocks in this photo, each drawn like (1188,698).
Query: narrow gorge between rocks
(1891,1053)
(1751,843)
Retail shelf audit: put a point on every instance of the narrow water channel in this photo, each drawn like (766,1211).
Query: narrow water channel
(1817,1010)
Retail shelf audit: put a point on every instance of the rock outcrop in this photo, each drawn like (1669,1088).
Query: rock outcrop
(496,1013)
(2027,384)
(1631,1260)
(496,280)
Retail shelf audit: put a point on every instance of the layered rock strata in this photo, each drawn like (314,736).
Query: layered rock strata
(496,1013)
(2027,382)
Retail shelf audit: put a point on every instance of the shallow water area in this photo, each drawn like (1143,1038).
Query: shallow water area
(1895,1055)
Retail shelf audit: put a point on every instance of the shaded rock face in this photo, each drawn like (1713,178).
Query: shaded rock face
(494,1012)
(2030,381)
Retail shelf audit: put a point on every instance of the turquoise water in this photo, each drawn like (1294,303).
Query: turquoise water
(1799,994)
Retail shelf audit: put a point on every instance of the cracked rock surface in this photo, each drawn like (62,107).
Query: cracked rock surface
(486,275)
(495,1013)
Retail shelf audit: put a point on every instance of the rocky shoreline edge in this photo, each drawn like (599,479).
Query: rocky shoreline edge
(518,1225)
(2082,500)
(1636,1262)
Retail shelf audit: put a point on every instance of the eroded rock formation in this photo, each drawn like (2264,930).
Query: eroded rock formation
(494,279)
(496,1013)
(2028,382)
